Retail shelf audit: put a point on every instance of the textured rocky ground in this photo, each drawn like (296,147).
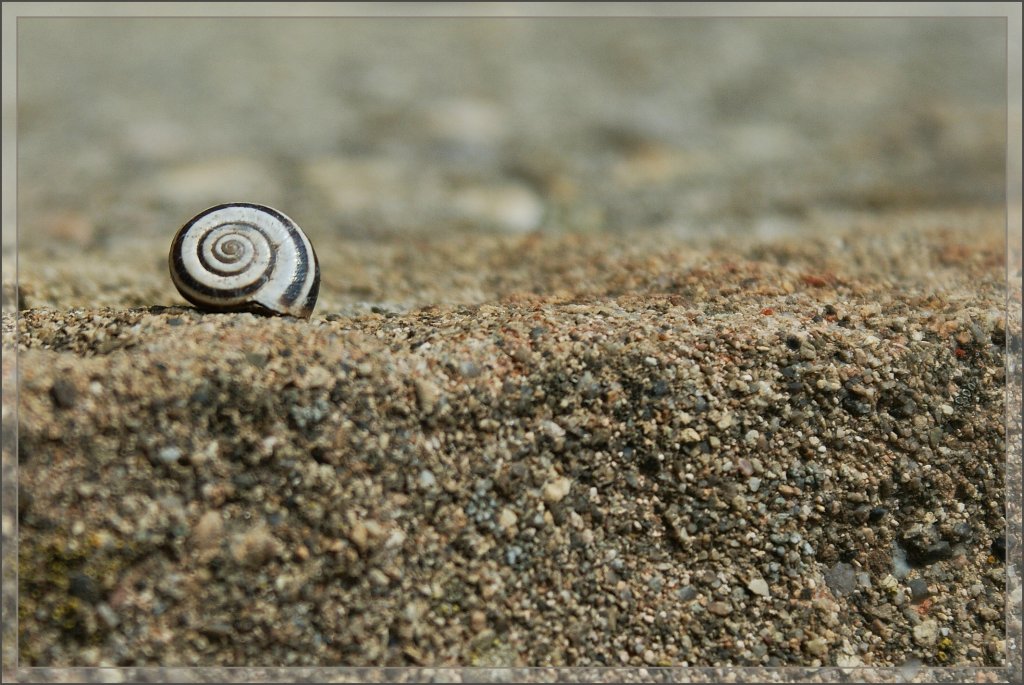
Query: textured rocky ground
(627,453)
(639,343)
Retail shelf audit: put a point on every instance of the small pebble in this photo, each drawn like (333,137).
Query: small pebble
(256,547)
(817,646)
(507,519)
(720,608)
(918,589)
(841,578)
(690,435)
(169,455)
(926,632)
(208,530)
(426,479)
(427,395)
(557,489)
(64,393)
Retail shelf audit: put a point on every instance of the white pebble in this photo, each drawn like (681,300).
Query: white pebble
(427,479)
(557,489)
(169,455)
(926,632)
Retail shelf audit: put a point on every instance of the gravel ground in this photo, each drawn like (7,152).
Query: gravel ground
(787,454)
(640,343)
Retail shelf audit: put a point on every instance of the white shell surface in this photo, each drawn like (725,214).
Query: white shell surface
(232,257)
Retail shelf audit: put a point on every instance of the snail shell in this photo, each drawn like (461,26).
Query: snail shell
(245,257)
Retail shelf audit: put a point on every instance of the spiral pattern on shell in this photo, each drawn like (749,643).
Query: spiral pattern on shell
(245,257)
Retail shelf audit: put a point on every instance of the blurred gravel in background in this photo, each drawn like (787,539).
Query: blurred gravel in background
(372,127)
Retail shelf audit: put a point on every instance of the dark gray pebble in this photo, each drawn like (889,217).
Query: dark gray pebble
(64,393)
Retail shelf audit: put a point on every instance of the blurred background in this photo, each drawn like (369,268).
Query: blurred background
(376,128)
